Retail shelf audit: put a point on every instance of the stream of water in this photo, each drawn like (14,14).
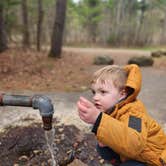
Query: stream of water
(49,135)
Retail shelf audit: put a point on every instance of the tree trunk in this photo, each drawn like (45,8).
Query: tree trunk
(3,38)
(57,36)
(93,25)
(39,24)
(26,35)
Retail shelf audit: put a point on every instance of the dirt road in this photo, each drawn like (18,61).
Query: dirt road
(120,56)
(153,94)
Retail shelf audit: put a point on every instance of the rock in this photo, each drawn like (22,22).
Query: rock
(158,53)
(141,61)
(103,60)
(69,151)
(101,161)
(23,158)
(61,130)
(24,145)
(37,151)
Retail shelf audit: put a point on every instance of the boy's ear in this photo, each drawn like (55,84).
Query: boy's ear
(123,93)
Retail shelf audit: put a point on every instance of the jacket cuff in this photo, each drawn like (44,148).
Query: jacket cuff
(163,157)
(96,125)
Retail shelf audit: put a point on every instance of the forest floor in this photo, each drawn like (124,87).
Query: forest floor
(29,71)
(22,70)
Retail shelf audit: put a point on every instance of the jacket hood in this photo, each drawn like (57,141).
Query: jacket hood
(133,83)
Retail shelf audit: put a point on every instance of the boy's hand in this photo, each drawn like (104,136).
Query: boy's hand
(101,144)
(87,111)
(162,162)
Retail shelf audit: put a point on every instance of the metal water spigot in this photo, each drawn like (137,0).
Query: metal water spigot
(46,109)
(43,103)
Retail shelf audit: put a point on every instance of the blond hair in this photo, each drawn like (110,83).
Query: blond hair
(114,73)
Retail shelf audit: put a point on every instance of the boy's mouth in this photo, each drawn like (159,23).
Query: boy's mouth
(98,106)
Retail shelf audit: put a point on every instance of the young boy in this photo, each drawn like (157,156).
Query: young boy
(126,134)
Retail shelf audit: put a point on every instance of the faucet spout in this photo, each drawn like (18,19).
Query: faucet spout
(46,109)
(40,102)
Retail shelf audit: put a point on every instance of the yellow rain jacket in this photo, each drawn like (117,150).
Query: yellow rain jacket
(130,131)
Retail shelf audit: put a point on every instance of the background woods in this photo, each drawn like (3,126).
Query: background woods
(3,37)
(32,31)
(105,22)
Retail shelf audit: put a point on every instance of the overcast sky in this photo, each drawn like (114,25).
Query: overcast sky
(76,0)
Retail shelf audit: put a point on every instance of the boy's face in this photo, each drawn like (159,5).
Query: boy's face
(105,94)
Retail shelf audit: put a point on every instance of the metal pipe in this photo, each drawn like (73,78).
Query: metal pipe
(40,102)
(16,100)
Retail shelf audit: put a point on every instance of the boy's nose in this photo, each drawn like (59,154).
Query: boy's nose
(96,97)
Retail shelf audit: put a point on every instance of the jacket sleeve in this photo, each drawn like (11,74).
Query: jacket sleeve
(163,157)
(117,135)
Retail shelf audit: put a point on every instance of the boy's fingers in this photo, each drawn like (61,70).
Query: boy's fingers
(81,114)
(81,107)
(84,101)
(81,117)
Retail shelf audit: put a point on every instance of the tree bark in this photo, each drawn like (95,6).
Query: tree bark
(93,25)
(26,35)
(3,37)
(58,28)
(39,24)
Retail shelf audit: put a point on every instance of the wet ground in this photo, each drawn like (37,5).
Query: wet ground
(27,145)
